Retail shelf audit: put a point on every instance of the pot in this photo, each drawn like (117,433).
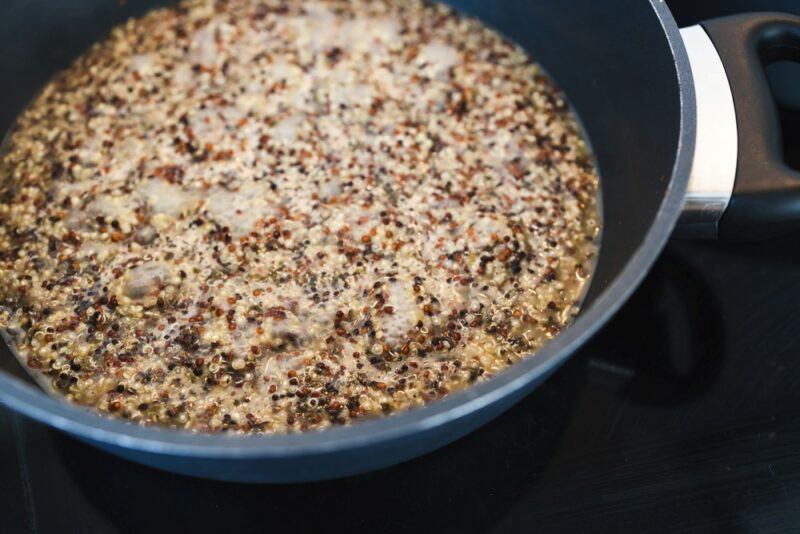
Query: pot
(685,133)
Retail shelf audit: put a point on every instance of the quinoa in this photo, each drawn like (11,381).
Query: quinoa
(277,216)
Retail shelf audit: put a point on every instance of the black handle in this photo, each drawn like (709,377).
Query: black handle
(766,194)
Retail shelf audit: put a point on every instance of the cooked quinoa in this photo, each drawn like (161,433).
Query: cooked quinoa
(275,216)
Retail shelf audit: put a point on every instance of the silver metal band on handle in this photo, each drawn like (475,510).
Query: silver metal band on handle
(713,170)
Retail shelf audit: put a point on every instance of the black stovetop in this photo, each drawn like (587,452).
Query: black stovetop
(682,415)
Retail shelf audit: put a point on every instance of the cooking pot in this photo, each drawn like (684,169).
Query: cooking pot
(685,133)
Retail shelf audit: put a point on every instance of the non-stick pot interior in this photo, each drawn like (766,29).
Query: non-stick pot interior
(614,62)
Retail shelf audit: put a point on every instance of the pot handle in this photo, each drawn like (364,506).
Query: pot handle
(743,162)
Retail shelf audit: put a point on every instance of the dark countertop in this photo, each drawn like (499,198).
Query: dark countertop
(683,415)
